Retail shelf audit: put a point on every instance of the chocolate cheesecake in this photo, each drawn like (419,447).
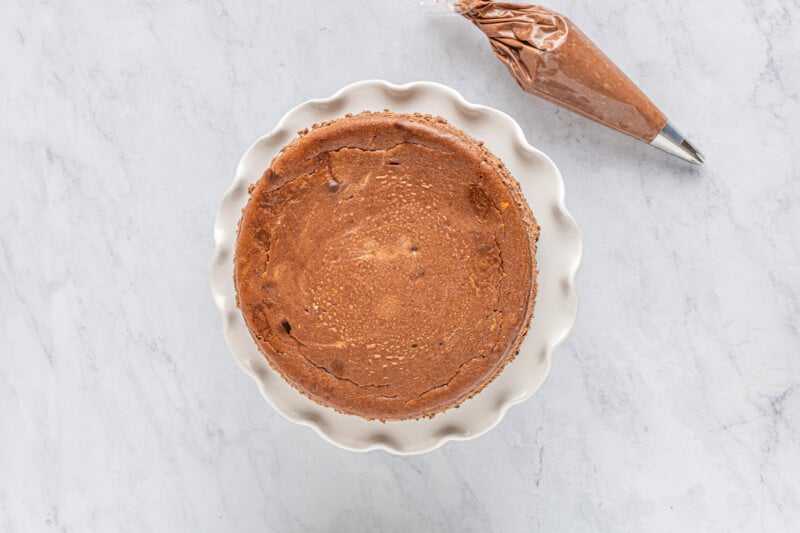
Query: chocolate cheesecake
(385,265)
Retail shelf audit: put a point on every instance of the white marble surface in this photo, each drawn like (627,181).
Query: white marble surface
(674,406)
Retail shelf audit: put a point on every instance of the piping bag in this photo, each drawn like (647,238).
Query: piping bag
(552,59)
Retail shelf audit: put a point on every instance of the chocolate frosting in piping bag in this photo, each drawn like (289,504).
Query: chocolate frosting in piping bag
(551,58)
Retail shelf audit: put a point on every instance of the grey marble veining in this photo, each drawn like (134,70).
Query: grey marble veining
(674,405)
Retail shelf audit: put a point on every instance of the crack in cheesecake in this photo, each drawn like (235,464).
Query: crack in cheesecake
(385,265)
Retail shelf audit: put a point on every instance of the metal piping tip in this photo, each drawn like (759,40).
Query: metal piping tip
(673,142)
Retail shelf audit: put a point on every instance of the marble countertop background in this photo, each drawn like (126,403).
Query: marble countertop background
(674,405)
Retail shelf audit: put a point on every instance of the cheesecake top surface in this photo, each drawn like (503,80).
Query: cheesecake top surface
(385,265)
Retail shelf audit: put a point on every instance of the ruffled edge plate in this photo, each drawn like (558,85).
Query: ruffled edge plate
(558,257)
